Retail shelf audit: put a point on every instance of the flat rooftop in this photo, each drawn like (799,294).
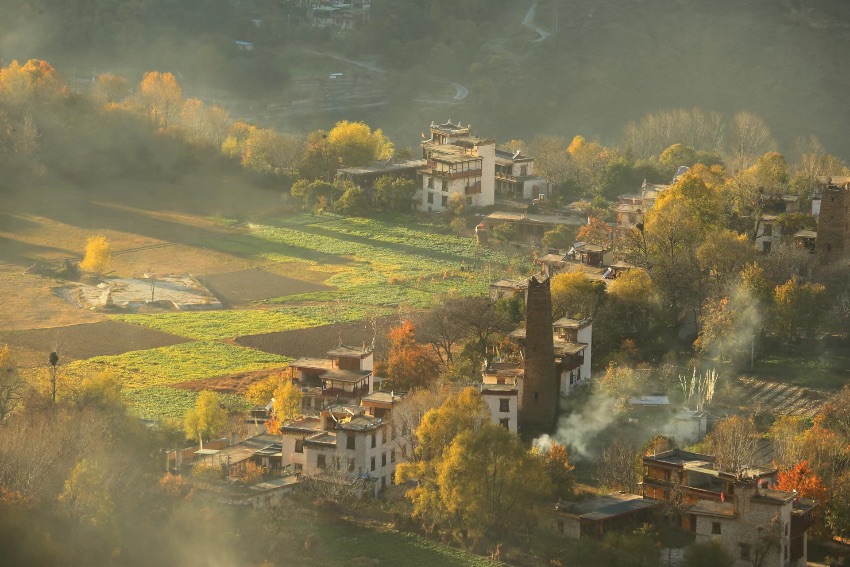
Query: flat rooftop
(606,507)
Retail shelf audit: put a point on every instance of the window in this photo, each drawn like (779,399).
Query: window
(374,441)
(299,445)
(383,459)
(392,456)
(445,201)
(504,405)
(373,463)
(383,437)
(430,198)
(505,422)
(523,170)
(715,528)
(445,185)
(430,183)
(745,551)
(350,442)
(766,245)
(320,461)
(768,230)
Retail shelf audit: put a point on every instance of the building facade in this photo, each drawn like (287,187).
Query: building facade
(833,235)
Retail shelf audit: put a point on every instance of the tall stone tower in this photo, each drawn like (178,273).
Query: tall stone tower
(540,383)
(834,221)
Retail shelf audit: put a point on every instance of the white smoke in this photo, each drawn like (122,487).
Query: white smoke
(578,430)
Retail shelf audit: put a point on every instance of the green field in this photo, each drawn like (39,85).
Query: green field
(375,266)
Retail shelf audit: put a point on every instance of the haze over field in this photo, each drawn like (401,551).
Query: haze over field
(605,65)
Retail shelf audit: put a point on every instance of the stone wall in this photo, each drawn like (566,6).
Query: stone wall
(833,240)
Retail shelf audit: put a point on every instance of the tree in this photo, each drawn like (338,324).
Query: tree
(488,481)
(312,193)
(207,419)
(505,232)
(551,159)
(463,412)
(801,479)
(356,144)
(394,193)
(748,138)
(98,256)
(353,202)
(618,466)
(556,464)
(733,442)
(722,255)
(161,97)
(707,554)
(442,329)
(703,131)
(632,298)
(595,232)
(798,306)
(786,436)
(575,295)
(12,386)
(559,238)
(409,364)
(837,514)
(408,414)
(33,81)
(267,151)
(85,498)
(109,89)
(287,401)
(621,382)
(260,393)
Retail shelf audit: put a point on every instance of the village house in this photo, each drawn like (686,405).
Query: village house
(347,442)
(530,226)
(346,373)
(738,508)
(366,175)
(337,14)
(594,517)
(515,177)
(458,165)
(507,289)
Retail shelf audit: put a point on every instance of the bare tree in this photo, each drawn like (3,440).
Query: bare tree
(749,137)
(408,414)
(734,443)
(12,386)
(618,466)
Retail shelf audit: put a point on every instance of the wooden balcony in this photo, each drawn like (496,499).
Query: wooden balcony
(473,188)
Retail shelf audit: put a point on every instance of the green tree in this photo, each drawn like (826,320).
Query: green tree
(394,193)
(505,232)
(707,554)
(559,238)
(207,419)
(353,202)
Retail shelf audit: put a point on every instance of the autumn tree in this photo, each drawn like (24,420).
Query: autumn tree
(631,297)
(733,442)
(207,418)
(312,194)
(786,437)
(462,412)
(649,136)
(596,232)
(270,152)
(260,393)
(575,295)
(356,144)
(352,202)
(488,481)
(161,97)
(287,401)
(409,364)
(98,256)
(85,498)
(622,382)
(801,479)
(12,385)
(587,165)
(109,89)
(551,159)
(408,414)
(202,124)
(798,306)
(33,81)
(556,464)
(722,255)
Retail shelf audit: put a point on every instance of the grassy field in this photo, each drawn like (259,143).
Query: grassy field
(828,370)
(375,266)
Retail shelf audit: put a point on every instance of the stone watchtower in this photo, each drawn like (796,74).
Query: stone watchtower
(833,241)
(540,382)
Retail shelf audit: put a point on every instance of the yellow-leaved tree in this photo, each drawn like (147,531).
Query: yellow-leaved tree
(356,144)
(98,256)
(207,419)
